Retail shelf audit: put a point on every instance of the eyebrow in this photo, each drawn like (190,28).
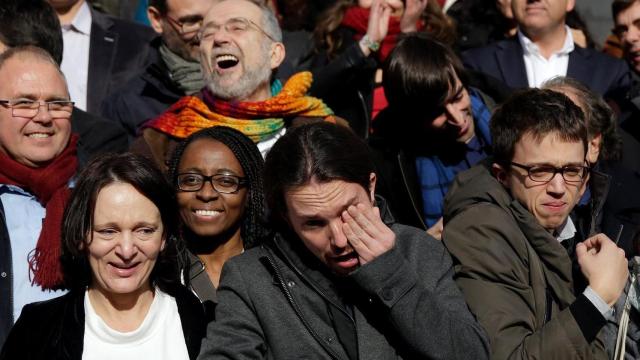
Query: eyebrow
(33,97)
(553,165)
(351,201)
(217,172)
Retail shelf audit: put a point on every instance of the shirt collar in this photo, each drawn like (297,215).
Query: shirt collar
(567,230)
(530,47)
(7,188)
(82,21)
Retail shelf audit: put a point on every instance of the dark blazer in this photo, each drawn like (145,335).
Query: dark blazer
(54,329)
(504,61)
(117,51)
(97,135)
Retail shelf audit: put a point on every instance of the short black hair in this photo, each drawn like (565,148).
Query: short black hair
(31,22)
(420,75)
(537,112)
(145,177)
(618,6)
(160,5)
(321,151)
(253,228)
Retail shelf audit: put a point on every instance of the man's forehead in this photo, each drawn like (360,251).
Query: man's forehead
(550,148)
(628,15)
(229,9)
(23,73)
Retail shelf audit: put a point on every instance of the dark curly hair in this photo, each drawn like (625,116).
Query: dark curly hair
(253,227)
(145,177)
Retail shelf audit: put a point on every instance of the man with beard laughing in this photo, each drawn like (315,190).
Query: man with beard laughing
(240,48)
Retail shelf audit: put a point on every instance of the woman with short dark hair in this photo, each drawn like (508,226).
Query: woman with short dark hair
(339,276)
(120,262)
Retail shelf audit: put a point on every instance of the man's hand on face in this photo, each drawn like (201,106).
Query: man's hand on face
(366,232)
(604,265)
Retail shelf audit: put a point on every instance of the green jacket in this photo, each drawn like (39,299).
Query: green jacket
(515,276)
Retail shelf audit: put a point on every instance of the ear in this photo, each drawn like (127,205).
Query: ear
(593,151)
(500,174)
(155,18)
(277,54)
(570,5)
(372,187)
(164,242)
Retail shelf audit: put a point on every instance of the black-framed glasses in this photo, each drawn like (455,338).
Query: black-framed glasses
(187,28)
(544,173)
(222,183)
(28,108)
(234,26)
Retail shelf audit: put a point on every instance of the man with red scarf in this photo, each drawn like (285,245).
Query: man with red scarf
(37,161)
(240,49)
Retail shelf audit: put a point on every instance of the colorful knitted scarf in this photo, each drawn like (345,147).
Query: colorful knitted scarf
(258,120)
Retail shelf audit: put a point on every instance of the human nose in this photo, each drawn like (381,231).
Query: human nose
(127,248)
(208,191)
(557,185)
(338,238)
(454,115)
(42,116)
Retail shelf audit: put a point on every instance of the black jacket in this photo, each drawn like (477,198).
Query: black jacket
(346,83)
(97,135)
(54,329)
(117,51)
(144,97)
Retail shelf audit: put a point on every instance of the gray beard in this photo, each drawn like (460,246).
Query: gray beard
(248,83)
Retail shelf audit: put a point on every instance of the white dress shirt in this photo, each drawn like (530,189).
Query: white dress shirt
(75,57)
(540,69)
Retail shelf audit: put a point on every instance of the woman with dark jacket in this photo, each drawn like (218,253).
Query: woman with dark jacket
(340,279)
(353,38)
(120,262)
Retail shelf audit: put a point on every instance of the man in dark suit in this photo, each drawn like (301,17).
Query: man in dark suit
(35,23)
(101,52)
(544,48)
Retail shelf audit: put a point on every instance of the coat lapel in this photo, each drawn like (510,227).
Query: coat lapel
(579,65)
(510,60)
(102,51)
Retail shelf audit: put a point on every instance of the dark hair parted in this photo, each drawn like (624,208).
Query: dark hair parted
(328,39)
(600,119)
(31,22)
(77,225)
(618,6)
(420,74)
(320,151)
(253,228)
(535,112)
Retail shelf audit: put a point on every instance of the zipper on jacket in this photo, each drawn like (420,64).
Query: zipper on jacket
(406,185)
(296,308)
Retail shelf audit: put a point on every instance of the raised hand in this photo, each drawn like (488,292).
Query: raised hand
(412,11)
(604,265)
(378,26)
(366,232)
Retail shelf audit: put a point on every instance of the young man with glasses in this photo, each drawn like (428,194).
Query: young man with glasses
(38,159)
(174,70)
(240,50)
(507,225)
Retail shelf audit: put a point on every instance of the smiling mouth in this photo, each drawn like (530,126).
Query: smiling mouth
(39,135)
(207,213)
(226,61)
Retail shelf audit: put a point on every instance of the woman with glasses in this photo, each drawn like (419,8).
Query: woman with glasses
(120,261)
(217,173)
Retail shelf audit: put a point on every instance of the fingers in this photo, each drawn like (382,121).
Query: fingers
(366,232)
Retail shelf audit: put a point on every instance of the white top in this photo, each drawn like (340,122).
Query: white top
(159,336)
(265,145)
(539,69)
(75,56)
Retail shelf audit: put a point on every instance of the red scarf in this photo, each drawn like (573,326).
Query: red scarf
(357,18)
(49,185)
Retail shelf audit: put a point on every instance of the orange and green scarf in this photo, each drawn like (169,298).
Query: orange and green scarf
(258,120)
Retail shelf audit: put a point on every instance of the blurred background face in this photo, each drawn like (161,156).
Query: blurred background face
(397,6)
(32,141)
(181,15)
(538,16)
(627,27)
(207,212)
(456,121)
(63,4)
(504,6)
(126,239)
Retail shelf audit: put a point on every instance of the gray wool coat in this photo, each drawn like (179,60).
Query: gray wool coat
(277,301)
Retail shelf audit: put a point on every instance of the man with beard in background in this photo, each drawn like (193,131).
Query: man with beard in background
(240,48)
